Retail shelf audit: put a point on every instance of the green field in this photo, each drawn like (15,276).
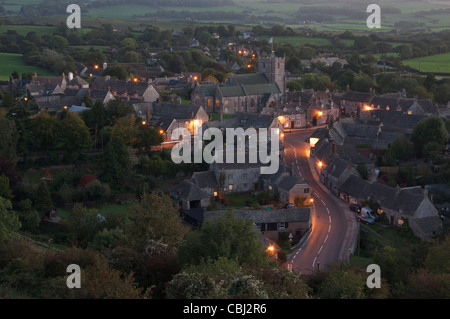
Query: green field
(296,41)
(25,29)
(10,62)
(439,63)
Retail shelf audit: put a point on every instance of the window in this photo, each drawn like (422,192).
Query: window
(210,102)
(270,187)
(230,187)
(244,175)
(306,191)
(281,226)
(245,185)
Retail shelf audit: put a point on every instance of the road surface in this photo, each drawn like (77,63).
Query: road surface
(329,220)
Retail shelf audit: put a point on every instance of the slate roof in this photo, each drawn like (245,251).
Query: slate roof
(208,89)
(267,216)
(244,120)
(121,86)
(188,191)
(288,182)
(173,111)
(258,89)
(230,91)
(356,96)
(336,166)
(205,179)
(250,79)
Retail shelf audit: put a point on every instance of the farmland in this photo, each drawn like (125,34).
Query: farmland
(439,63)
(10,62)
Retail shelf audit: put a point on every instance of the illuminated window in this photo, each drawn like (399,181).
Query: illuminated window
(230,187)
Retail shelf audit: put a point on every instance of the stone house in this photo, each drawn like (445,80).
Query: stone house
(168,117)
(411,203)
(273,222)
(285,185)
(127,89)
(188,196)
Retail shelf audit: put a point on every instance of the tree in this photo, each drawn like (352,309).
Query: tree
(9,138)
(149,136)
(9,222)
(95,118)
(45,131)
(58,42)
(75,136)
(83,224)
(155,219)
(228,237)
(5,189)
(362,83)
(116,162)
(126,129)
(116,109)
(429,130)
(43,202)
(342,284)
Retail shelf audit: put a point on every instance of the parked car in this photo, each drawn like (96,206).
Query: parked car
(355,208)
(365,218)
(370,212)
(289,206)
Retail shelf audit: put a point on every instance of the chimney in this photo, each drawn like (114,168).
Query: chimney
(334,146)
(403,93)
(149,115)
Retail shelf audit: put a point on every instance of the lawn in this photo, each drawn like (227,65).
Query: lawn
(439,63)
(239,200)
(10,62)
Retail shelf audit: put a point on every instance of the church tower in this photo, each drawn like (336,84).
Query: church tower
(274,69)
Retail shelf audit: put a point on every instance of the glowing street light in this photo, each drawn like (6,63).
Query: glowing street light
(320,164)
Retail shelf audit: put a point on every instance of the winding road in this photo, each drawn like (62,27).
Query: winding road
(329,237)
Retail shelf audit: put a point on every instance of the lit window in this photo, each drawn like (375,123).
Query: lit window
(230,187)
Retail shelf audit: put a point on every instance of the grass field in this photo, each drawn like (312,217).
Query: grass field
(25,29)
(439,63)
(296,41)
(10,62)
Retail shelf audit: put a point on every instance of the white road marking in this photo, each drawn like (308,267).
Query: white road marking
(314,261)
(328,211)
(320,250)
(326,238)
(329,229)
(329,218)
(316,195)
